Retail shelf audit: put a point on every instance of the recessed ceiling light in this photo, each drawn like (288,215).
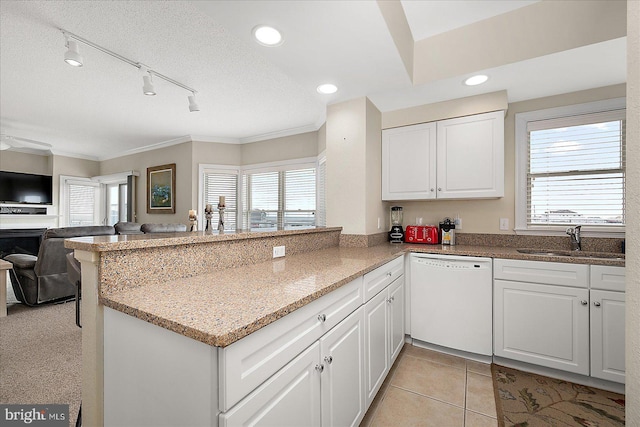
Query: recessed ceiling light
(267,36)
(476,80)
(327,89)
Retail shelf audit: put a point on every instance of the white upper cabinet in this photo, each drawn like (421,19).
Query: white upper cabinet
(409,162)
(471,157)
(461,158)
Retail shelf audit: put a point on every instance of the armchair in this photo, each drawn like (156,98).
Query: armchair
(44,278)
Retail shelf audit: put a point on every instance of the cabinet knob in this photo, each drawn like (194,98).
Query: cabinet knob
(328,359)
(583,302)
(390,300)
(439,189)
(322,317)
(432,190)
(389,274)
(320,368)
(596,303)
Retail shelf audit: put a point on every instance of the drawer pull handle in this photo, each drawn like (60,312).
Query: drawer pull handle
(328,359)
(583,302)
(596,303)
(320,368)
(322,317)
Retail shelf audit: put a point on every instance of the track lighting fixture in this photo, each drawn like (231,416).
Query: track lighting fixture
(73,57)
(147,86)
(193,104)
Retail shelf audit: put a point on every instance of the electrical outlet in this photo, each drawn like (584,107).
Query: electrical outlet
(278,251)
(504,223)
(379,223)
(458,223)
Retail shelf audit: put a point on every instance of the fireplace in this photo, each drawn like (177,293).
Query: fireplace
(20,241)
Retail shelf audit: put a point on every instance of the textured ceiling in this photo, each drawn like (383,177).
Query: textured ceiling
(246,92)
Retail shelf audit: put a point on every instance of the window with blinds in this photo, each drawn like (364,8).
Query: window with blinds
(218,183)
(576,170)
(81,204)
(280,199)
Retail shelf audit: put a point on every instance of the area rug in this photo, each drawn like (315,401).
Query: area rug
(529,400)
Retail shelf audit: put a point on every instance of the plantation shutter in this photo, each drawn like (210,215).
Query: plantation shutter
(216,184)
(576,170)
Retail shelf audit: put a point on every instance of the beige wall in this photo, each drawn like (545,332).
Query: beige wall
(180,155)
(375,208)
(482,216)
(277,149)
(14,161)
(346,168)
(633,216)
(322,138)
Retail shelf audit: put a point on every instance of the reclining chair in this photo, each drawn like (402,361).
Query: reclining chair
(44,278)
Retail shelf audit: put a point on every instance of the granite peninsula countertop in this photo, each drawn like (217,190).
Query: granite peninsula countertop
(222,307)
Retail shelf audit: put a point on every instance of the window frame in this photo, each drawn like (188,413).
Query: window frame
(521,166)
(226,169)
(63,213)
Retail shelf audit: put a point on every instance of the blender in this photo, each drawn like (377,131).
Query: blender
(396,234)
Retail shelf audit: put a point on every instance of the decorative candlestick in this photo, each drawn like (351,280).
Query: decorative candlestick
(208,214)
(193,219)
(221,208)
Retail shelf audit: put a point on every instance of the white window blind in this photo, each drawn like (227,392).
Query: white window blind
(81,204)
(576,170)
(280,199)
(216,184)
(321,197)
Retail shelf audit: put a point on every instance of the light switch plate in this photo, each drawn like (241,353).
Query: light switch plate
(504,223)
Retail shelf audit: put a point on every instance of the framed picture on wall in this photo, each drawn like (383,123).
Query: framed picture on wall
(161,189)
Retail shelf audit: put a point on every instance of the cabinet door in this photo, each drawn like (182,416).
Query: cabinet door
(396,318)
(342,381)
(471,157)
(542,324)
(376,344)
(408,162)
(291,397)
(607,335)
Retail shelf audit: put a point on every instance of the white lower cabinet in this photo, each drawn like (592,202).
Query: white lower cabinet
(607,335)
(291,397)
(577,328)
(384,334)
(545,325)
(342,379)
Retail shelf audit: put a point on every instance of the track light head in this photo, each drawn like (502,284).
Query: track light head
(72,56)
(193,105)
(147,87)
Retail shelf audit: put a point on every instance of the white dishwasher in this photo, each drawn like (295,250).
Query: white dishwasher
(452,302)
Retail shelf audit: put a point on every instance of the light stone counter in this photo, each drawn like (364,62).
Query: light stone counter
(222,307)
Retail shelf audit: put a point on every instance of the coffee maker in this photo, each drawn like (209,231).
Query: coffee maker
(396,234)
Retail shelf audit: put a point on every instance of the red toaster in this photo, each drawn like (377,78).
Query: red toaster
(421,234)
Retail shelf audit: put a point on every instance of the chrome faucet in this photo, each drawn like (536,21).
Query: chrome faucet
(574,235)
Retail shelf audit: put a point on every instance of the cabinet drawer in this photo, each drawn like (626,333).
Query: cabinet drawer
(247,363)
(548,273)
(607,278)
(381,277)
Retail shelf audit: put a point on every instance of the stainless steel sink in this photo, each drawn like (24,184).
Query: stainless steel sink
(575,254)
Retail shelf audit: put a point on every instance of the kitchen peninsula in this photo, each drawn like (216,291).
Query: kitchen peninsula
(192,284)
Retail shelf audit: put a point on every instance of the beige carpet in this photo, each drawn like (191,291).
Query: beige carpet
(530,400)
(40,355)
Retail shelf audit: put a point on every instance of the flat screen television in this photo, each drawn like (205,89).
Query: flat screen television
(26,188)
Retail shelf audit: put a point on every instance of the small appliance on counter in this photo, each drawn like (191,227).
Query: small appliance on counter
(447,232)
(427,234)
(396,234)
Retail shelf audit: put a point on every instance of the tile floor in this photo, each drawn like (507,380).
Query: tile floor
(427,388)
